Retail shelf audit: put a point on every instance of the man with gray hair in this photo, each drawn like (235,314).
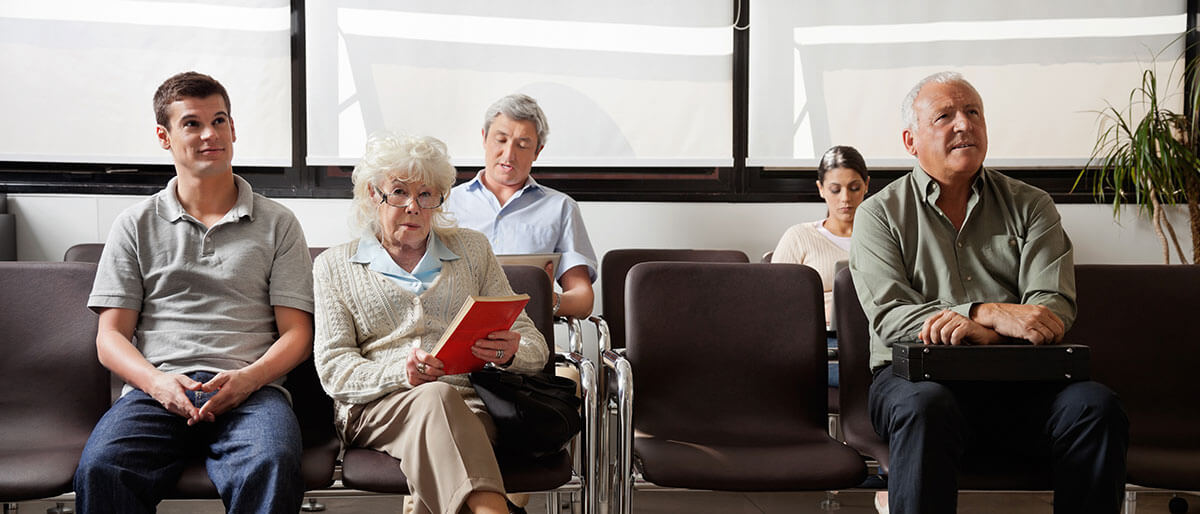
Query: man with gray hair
(520,216)
(956,253)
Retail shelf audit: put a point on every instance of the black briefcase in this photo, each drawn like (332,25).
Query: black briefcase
(1013,363)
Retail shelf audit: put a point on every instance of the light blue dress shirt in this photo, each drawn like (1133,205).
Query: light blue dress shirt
(536,219)
(372,253)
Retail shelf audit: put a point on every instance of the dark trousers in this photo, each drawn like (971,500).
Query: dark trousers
(935,429)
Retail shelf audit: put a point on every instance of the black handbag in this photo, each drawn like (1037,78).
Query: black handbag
(534,414)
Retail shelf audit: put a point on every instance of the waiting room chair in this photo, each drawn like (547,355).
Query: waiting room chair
(376,471)
(84,252)
(313,408)
(854,375)
(1137,320)
(616,265)
(53,389)
(729,379)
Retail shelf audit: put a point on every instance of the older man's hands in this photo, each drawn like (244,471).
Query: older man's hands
(949,327)
(1034,323)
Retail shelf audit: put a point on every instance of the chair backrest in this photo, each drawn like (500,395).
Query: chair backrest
(854,374)
(53,389)
(616,264)
(534,282)
(84,252)
(727,353)
(1137,319)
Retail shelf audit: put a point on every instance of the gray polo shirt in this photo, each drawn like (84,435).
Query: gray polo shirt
(205,295)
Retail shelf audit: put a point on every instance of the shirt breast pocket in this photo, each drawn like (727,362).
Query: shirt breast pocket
(1002,254)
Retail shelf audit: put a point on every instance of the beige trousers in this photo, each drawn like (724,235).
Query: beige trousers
(443,442)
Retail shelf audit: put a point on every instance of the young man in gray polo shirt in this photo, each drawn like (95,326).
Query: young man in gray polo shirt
(204,292)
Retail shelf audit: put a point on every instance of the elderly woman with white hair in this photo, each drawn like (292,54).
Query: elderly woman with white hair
(384,300)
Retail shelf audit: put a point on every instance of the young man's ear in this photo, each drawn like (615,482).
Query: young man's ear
(232,132)
(164,137)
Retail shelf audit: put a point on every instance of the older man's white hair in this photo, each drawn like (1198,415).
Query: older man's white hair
(408,159)
(519,107)
(907,112)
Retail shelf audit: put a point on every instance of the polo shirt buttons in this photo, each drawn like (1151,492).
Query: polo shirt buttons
(959,244)
(968,278)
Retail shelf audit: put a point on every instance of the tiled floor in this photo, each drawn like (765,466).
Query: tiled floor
(656,502)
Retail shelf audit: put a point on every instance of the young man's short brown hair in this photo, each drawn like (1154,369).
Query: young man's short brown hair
(188,84)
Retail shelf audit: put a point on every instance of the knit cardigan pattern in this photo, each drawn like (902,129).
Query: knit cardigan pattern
(366,324)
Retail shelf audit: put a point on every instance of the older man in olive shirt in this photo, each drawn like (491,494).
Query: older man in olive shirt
(955,253)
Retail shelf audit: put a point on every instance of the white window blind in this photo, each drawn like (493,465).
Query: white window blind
(623,83)
(834,73)
(80,75)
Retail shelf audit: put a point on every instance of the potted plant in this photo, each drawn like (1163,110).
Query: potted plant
(1151,161)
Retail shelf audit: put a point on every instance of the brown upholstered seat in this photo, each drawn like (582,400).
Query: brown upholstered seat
(729,378)
(53,389)
(84,252)
(375,471)
(1137,319)
(616,264)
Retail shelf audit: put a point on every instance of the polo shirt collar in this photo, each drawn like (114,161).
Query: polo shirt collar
(167,204)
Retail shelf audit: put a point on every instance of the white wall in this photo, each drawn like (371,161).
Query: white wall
(47,224)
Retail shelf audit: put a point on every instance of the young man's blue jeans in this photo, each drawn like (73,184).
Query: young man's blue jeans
(138,450)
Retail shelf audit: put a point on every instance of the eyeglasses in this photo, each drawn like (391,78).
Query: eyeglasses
(401,198)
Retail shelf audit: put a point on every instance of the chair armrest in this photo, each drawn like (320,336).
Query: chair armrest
(590,459)
(618,388)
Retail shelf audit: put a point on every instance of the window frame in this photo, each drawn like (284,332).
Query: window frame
(736,183)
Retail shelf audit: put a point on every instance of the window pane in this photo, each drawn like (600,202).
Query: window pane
(622,82)
(825,73)
(82,75)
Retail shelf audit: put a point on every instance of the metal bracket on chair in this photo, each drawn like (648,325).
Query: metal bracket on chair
(621,481)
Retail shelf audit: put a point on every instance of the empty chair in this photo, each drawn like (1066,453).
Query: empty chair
(84,252)
(616,264)
(729,379)
(1144,354)
(52,387)
(376,471)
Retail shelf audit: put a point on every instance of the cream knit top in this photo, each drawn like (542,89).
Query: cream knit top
(804,244)
(366,324)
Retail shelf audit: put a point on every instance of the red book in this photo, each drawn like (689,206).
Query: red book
(478,317)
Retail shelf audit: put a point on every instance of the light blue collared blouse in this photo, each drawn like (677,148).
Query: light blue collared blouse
(372,253)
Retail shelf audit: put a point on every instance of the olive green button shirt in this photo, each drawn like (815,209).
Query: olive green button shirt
(909,262)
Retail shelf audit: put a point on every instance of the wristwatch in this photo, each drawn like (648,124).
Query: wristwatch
(557,302)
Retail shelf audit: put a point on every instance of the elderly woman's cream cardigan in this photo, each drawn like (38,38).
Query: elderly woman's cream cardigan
(366,323)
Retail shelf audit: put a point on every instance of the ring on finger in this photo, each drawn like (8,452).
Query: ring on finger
(499,354)
(421,368)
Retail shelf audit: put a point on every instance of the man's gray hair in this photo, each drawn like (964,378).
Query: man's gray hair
(907,113)
(519,107)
